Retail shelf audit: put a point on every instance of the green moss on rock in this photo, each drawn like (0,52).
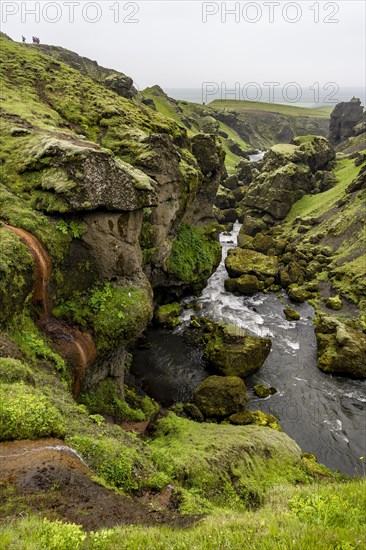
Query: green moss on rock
(105,398)
(220,396)
(115,314)
(13,370)
(262,391)
(120,465)
(244,261)
(246,285)
(233,352)
(291,314)
(241,418)
(16,274)
(194,256)
(341,348)
(168,315)
(228,465)
(263,419)
(334,303)
(26,413)
(298,293)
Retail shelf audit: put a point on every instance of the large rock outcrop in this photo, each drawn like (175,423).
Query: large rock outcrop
(341,348)
(345,116)
(110,188)
(288,173)
(210,157)
(82,176)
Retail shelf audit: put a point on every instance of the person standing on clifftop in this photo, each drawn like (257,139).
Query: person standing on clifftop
(23,39)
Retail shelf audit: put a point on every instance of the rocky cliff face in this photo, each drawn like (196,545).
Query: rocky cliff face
(344,118)
(105,184)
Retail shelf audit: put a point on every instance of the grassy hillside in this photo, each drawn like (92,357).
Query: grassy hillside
(342,227)
(292,110)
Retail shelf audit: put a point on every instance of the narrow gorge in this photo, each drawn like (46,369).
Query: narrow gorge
(182,314)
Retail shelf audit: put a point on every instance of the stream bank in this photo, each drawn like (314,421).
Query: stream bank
(324,414)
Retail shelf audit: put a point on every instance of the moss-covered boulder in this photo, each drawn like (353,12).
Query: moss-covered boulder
(246,285)
(263,391)
(223,463)
(317,152)
(263,243)
(252,223)
(68,175)
(220,396)
(192,411)
(291,314)
(231,182)
(298,293)
(245,171)
(168,315)
(288,173)
(241,418)
(241,261)
(334,303)
(224,199)
(26,413)
(233,352)
(291,274)
(341,348)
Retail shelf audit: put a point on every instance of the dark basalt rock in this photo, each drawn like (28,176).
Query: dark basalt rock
(344,118)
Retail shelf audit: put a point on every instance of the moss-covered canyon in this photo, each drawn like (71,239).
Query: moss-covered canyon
(111,206)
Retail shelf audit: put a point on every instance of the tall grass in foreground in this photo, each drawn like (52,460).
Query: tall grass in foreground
(321,517)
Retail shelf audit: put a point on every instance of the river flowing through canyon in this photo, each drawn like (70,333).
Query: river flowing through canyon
(326,415)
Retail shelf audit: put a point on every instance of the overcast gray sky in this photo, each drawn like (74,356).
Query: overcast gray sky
(169,43)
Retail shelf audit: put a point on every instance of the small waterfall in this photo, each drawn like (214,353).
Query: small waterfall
(76,347)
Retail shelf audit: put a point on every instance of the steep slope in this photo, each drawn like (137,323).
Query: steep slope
(104,183)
